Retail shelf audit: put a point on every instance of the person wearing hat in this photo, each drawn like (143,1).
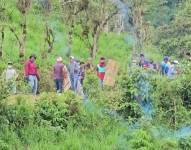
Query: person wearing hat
(32,74)
(59,74)
(10,75)
(173,70)
(74,69)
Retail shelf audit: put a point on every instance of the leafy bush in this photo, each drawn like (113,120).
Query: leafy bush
(142,141)
(91,86)
(128,106)
(167,144)
(4,90)
(4,146)
(185,143)
(57,111)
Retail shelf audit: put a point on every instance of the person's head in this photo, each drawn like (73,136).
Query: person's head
(72,59)
(166,59)
(82,63)
(32,57)
(102,60)
(59,60)
(188,54)
(142,55)
(10,64)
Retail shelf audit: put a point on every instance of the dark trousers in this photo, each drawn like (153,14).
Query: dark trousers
(59,85)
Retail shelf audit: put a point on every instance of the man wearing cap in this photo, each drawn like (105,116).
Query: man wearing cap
(31,74)
(74,69)
(172,69)
(10,76)
(59,74)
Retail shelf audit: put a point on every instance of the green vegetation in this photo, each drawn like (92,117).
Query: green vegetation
(111,119)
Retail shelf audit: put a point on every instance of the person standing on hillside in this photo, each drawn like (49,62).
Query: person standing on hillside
(76,75)
(82,72)
(101,69)
(74,69)
(59,74)
(142,60)
(172,69)
(10,75)
(79,90)
(32,74)
(71,71)
(165,66)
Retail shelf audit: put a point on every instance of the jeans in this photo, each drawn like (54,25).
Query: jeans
(72,81)
(76,79)
(59,85)
(101,83)
(33,81)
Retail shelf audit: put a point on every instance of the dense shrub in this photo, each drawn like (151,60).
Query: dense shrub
(57,111)
(129,106)
(185,143)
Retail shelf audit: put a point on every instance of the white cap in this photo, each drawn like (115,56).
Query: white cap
(59,59)
(72,57)
(176,62)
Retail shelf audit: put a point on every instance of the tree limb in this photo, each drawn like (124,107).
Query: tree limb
(15,34)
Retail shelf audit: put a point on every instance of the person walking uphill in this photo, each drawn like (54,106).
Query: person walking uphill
(31,74)
(59,74)
(101,69)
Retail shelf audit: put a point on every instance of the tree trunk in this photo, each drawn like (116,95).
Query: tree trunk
(2,41)
(70,38)
(94,47)
(23,36)
(49,38)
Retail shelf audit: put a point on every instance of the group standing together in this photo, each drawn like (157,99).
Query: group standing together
(167,67)
(72,74)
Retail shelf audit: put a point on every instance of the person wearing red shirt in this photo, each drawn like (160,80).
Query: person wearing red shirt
(101,69)
(31,74)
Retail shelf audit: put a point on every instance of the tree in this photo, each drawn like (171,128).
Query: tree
(97,16)
(23,6)
(3,20)
(69,11)
(91,17)
(174,38)
(138,11)
(46,8)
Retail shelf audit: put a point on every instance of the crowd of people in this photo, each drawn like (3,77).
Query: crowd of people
(167,67)
(73,74)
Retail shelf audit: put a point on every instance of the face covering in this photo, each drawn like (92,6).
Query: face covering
(9,66)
